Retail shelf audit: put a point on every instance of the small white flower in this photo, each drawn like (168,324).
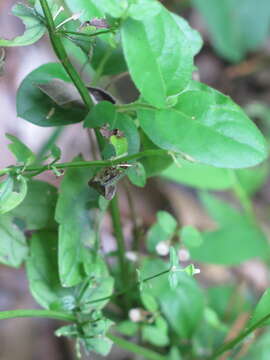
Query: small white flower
(163,248)
(196,271)
(132,256)
(183,255)
(135,315)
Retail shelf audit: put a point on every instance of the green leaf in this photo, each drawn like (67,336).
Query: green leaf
(182,306)
(175,354)
(161,231)
(144,9)
(209,127)
(104,113)
(190,236)
(127,328)
(149,302)
(259,348)
(13,246)
(235,30)
(35,106)
(115,63)
(120,145)
(193,36)
(88,9)
(153,165)
(37,208)
(12,193)
(42,272)
(198,175)
(101,345)
(22,153)
(252,179)
(155,335)
(75,230)
(262,310)
(157,71)
(225,245)
(114,8)
(137,175)
(34,28)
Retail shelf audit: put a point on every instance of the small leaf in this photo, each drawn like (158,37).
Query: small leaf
(149,302)
(34,28)
(127,328)
(120,145)
(12,193)
(56,152)
(37,208)
(13,246)
(34,104)
(190,236)
(22,153)
(137,175)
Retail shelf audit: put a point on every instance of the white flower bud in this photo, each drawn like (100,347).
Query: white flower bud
(183,255)
(163,248)
(135,315)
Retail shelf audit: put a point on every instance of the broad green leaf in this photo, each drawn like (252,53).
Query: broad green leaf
(115,63)
(42,272)
(157,71)
(38,108)
(175,354)
(182,306)
(166,221)
(13,246)
(104,113)
(37,208)
(143,9)
(209,127)
(12,193)
(190,236)
(34,28)
(198,175)
(153,165)
(22,153)
(261,311)
(75,230)
(115,8)
(89,9)
(193,36)
(237,238)
(235,30)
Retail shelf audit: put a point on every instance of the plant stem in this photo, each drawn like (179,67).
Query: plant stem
(242,196)
(134,107)
(75,33)
(62,55)
(80,164)
(129,288)
(12,314)
(116,221)
(136,349)
(231,344)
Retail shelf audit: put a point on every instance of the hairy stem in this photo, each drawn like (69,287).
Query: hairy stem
(13,314)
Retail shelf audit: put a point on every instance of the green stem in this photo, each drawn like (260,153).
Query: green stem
(136,349)
(81,164)
(116,220)
(134,107)
(62,55)
(129,288)
(242,196)
(75,33)
(231,344)
(13,314)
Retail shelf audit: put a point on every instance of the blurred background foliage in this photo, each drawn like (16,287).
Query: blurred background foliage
(235,59)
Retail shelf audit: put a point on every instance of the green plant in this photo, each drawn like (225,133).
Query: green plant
(176,121)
